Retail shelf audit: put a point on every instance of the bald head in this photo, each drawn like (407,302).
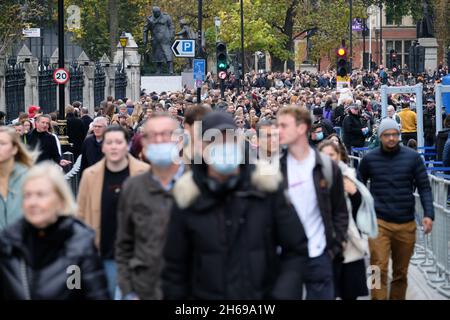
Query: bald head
(390,111)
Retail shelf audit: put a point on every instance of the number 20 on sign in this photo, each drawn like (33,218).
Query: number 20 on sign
(61,76)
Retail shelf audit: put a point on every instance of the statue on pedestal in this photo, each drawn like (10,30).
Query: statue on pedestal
(425,28)
(162,33)
(186,33)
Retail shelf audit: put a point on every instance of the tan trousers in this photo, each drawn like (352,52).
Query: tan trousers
(397,241)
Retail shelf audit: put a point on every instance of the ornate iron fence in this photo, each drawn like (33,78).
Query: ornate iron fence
(99,84)
(76,82)
(47,87)
(14,88)
(121,82)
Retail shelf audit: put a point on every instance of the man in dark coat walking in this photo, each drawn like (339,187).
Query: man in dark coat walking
(395,172)
(91,150)
(39,139)
(75,131)
(353,129)
(227,222)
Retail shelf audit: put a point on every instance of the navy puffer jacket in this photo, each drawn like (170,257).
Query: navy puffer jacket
(393,178)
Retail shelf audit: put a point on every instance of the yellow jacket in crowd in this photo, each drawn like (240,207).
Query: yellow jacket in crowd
(409,120)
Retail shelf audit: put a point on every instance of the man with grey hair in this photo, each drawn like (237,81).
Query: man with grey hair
(393,115)
(91,150)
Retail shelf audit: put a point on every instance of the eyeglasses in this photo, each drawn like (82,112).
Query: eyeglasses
(391,135)
(153,136)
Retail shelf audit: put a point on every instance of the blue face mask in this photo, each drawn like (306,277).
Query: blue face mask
(162,154)
(225,158)
(319,136)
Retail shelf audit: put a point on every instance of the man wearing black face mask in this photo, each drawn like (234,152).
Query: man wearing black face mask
(228,219)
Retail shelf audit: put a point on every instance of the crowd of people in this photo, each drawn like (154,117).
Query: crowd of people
(254,195)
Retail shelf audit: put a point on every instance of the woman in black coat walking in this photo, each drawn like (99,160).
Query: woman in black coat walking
(48,254)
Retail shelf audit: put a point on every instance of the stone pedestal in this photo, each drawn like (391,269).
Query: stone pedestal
(188,79)
(308,67)
(431,51)
(162,83)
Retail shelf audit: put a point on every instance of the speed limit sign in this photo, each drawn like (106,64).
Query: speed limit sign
(61,76)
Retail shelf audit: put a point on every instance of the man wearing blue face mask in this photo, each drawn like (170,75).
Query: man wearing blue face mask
(316,134)
(228,219)
(144,211)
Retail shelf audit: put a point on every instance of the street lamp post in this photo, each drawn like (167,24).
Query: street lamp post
(242,78)
(381,32)
(351,35)
(199,41)
(371,11)
(123,42)
(61,87)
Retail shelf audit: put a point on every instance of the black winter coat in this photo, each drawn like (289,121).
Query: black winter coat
(393,178)
(46,144)
(353,136)
(222,239)
(91,152)
(75,132)
(86,122)
(36,264)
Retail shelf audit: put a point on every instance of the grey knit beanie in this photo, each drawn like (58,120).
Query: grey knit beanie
(387,124)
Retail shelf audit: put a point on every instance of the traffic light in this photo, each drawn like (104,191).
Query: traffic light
(342,65)
(448,58)
(221,57)
(393,62)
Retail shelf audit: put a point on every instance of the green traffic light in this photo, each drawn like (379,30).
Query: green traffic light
(222,65)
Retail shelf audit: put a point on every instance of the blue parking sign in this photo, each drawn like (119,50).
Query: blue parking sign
(184,48)
(187,47)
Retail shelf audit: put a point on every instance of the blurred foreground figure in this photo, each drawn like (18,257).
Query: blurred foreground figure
(48,254)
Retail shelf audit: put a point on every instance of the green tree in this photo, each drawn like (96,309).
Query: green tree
(93,35)
(14,17)
(259,34)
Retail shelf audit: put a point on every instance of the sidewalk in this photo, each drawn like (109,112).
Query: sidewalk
(418,288)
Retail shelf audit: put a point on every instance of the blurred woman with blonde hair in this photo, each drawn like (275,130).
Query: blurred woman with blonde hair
(15,159)
(48,254)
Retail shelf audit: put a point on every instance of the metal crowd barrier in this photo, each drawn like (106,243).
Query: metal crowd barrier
(432,251)
(73,176)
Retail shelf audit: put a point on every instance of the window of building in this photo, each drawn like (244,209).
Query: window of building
(402,48)
(390,20)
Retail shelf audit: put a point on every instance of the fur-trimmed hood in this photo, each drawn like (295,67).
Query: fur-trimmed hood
(265,177)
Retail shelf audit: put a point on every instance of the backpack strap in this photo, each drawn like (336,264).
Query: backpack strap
(327,169)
